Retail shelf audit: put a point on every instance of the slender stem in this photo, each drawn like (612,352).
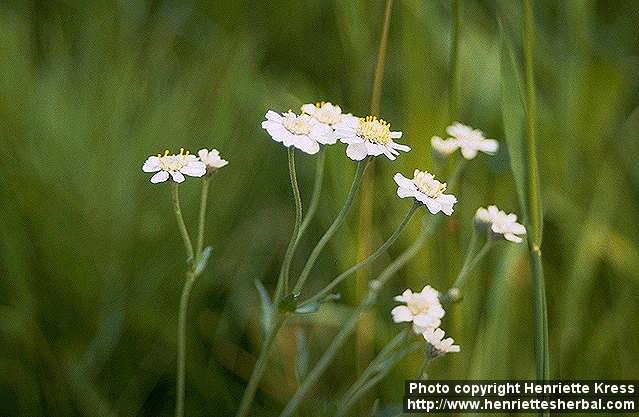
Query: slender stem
(175,199)
(374,365)
(361,264)
(202,218)
(470,252)
(282,282)
(455,73)
(181,343)
(339,340)
(258,370)
(463,274)
(357,181)
(423,372)
(315,197)
(535,215)
(381,58)
(374,379)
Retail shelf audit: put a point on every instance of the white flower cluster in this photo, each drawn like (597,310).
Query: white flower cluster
(500,223)
(176,166)
(324,123)
(463,137)
(427,190)
(425,311)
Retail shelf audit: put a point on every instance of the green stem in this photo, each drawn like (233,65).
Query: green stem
(258,370)
(202,218)
(374,379)
(381,58)
(181,343)
(175,199)
(455,74)
(345,331)
(282,282)
(315,197)
(361,264)
(423,374)
(357,181)
(373,366)
(469,266)
(535,220)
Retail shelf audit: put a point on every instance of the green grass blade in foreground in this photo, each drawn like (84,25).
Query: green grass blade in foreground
(523,160)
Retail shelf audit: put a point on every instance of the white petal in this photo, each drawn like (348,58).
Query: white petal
(271,115)
(489,146)
(402,181)
(468,152)
(405,192)
(152,164)
(356,151)
(513,238)
(395,135)
(309,109)
(401,314)
(160,177)
(203,153)
(306,144)
(194,169)
(423,320)
(177,176)
(433,206)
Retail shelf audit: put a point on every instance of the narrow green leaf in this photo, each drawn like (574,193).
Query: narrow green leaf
(204,259)
(513,114)
(267,307)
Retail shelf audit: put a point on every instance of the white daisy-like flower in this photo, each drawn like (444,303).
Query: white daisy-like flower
(441,346)
(369,136)
(426,189)
(212,159)
(469,140)
(501,223)
(175,166)
(301,131)
(328,114)
(423,309)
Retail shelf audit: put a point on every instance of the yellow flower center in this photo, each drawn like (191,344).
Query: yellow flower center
(298,125)
(427,184)
(327,113)
(418,305)
(374,130)
(173,162)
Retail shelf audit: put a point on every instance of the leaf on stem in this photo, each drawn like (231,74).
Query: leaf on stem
(204,259)
(267,307)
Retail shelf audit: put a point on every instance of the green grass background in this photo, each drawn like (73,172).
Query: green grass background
(91,259)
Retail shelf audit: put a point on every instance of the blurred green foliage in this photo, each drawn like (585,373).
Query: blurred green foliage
(90,256)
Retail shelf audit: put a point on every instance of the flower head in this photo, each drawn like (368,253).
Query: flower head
(423,309)
(440,346)
(469,140)
(301,131)
(326,113)
(501,223)
(176,165)
(426,189)
(212,159)
(369,136)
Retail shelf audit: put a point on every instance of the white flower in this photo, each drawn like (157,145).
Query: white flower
(369,136)
(441,346)
(426,189)
(212,159)
(501,223)
(328,114)
(469,140)
(301,131)
(174,165)
(423,309)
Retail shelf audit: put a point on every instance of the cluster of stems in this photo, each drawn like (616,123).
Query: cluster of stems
(197,258)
